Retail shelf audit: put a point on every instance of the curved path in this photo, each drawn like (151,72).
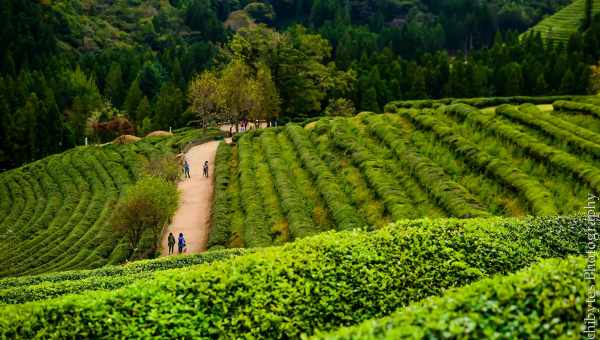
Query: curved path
(193,216)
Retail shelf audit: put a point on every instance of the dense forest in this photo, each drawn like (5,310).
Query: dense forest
(97,69)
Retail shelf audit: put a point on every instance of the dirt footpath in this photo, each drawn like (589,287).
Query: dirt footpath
(193,216)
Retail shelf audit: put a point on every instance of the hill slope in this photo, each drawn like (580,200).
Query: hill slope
(55,213)
(560,26)
(281,184)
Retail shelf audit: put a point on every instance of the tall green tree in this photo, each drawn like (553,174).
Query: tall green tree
(170,104)
(134,96)
(113,85)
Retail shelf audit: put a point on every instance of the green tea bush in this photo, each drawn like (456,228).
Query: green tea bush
(565,126)
(33,288)
(452,196)
(530,115)
(220,230)
(292,201)
(343,213)
(545,301)
(394,197)
(323,282)
(545,153)
(570,106)
(256,232)
(534,192)
(130,268)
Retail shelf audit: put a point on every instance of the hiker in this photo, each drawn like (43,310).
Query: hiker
(181,243)
(186,169)
(171,243)
(205,169)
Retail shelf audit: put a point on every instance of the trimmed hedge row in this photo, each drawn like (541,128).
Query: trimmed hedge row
(564,125)
(570,106)
(256,233)
(343,212)
(293,203)
(558,158)
(124,270)
(530,115)
(534,192)
(457,200)
(352,180)
(323,282)
(220,230)
(545,301)
(394,197)
(476,102)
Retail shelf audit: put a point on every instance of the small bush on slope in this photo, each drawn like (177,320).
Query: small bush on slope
(327,281)
(545,301)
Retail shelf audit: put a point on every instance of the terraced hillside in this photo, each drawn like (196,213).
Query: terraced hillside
(561,25)
(55,213)
(329,281)
(278,185)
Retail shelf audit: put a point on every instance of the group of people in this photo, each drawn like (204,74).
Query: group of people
(186,169)
(180,243)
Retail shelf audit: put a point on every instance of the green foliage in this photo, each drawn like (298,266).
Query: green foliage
(331,280)
(535,193)
(571,106)
(558,158)
(452,196)
(146,207)
(220,230)
(41,287)
(545,301)
(343,213)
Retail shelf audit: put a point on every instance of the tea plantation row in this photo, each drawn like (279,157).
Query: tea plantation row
(55,213)
(321,283)
(427,159)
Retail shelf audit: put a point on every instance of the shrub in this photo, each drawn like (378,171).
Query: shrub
(457,200)
(147,206)
(545,301)
(327,281)
(41,287)
(166,167)
(556,157)
(569,106)
(220,230)
(343,213)
(534,192)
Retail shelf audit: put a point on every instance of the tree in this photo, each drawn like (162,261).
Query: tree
(340,107)
(146,207)
(266,101)
(151,78)
(568,83)
(113,87)
(595,79)
(206,97)
(169,106)
(232,95)
(134,96)
(143,110)
(541,87)
(201,18)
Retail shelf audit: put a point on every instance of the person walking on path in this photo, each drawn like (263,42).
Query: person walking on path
(186,169)
(205,169)
(181,244)
(171,243)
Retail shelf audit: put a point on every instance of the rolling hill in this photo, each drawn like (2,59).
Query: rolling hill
(445,160)
(55,213)
(560,26)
